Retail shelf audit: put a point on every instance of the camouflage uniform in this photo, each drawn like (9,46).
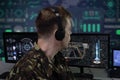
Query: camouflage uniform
(35,66)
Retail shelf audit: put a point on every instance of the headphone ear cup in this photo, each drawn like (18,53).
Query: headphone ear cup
(59,35)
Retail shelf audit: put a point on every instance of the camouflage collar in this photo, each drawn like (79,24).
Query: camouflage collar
(36,46)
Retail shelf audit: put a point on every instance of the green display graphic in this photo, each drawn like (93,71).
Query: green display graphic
(3,59)
(31,29)
(118,32)
(93,27)
(34,4)
(1,13)
(110,4)
(0,51)
(110,13)
(98,27)
(92,14)
(33,16)
(10,3)
(18,13)
(113,43)
(8,30)
(84,28)
(90,27)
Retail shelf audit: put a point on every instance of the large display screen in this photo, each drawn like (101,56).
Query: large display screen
(88,50)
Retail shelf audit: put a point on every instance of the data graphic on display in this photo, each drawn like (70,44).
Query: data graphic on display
(17,44)
(88,50)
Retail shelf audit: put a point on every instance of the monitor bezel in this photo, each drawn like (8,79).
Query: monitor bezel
(99,34)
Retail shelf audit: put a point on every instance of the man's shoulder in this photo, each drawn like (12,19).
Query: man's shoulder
(29,59)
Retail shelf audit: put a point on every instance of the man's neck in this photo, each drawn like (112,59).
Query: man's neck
(49,47)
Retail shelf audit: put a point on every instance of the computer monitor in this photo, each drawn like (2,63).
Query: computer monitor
(88,50)
(16,44)
(114,70)
(116,58)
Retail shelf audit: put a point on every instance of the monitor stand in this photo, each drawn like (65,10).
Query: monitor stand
(83,75)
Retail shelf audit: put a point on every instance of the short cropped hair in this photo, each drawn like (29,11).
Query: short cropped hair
(46,20)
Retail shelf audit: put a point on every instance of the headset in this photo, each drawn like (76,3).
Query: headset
(60,33)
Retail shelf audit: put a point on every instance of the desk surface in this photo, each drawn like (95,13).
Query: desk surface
(99,74)
(5,66)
